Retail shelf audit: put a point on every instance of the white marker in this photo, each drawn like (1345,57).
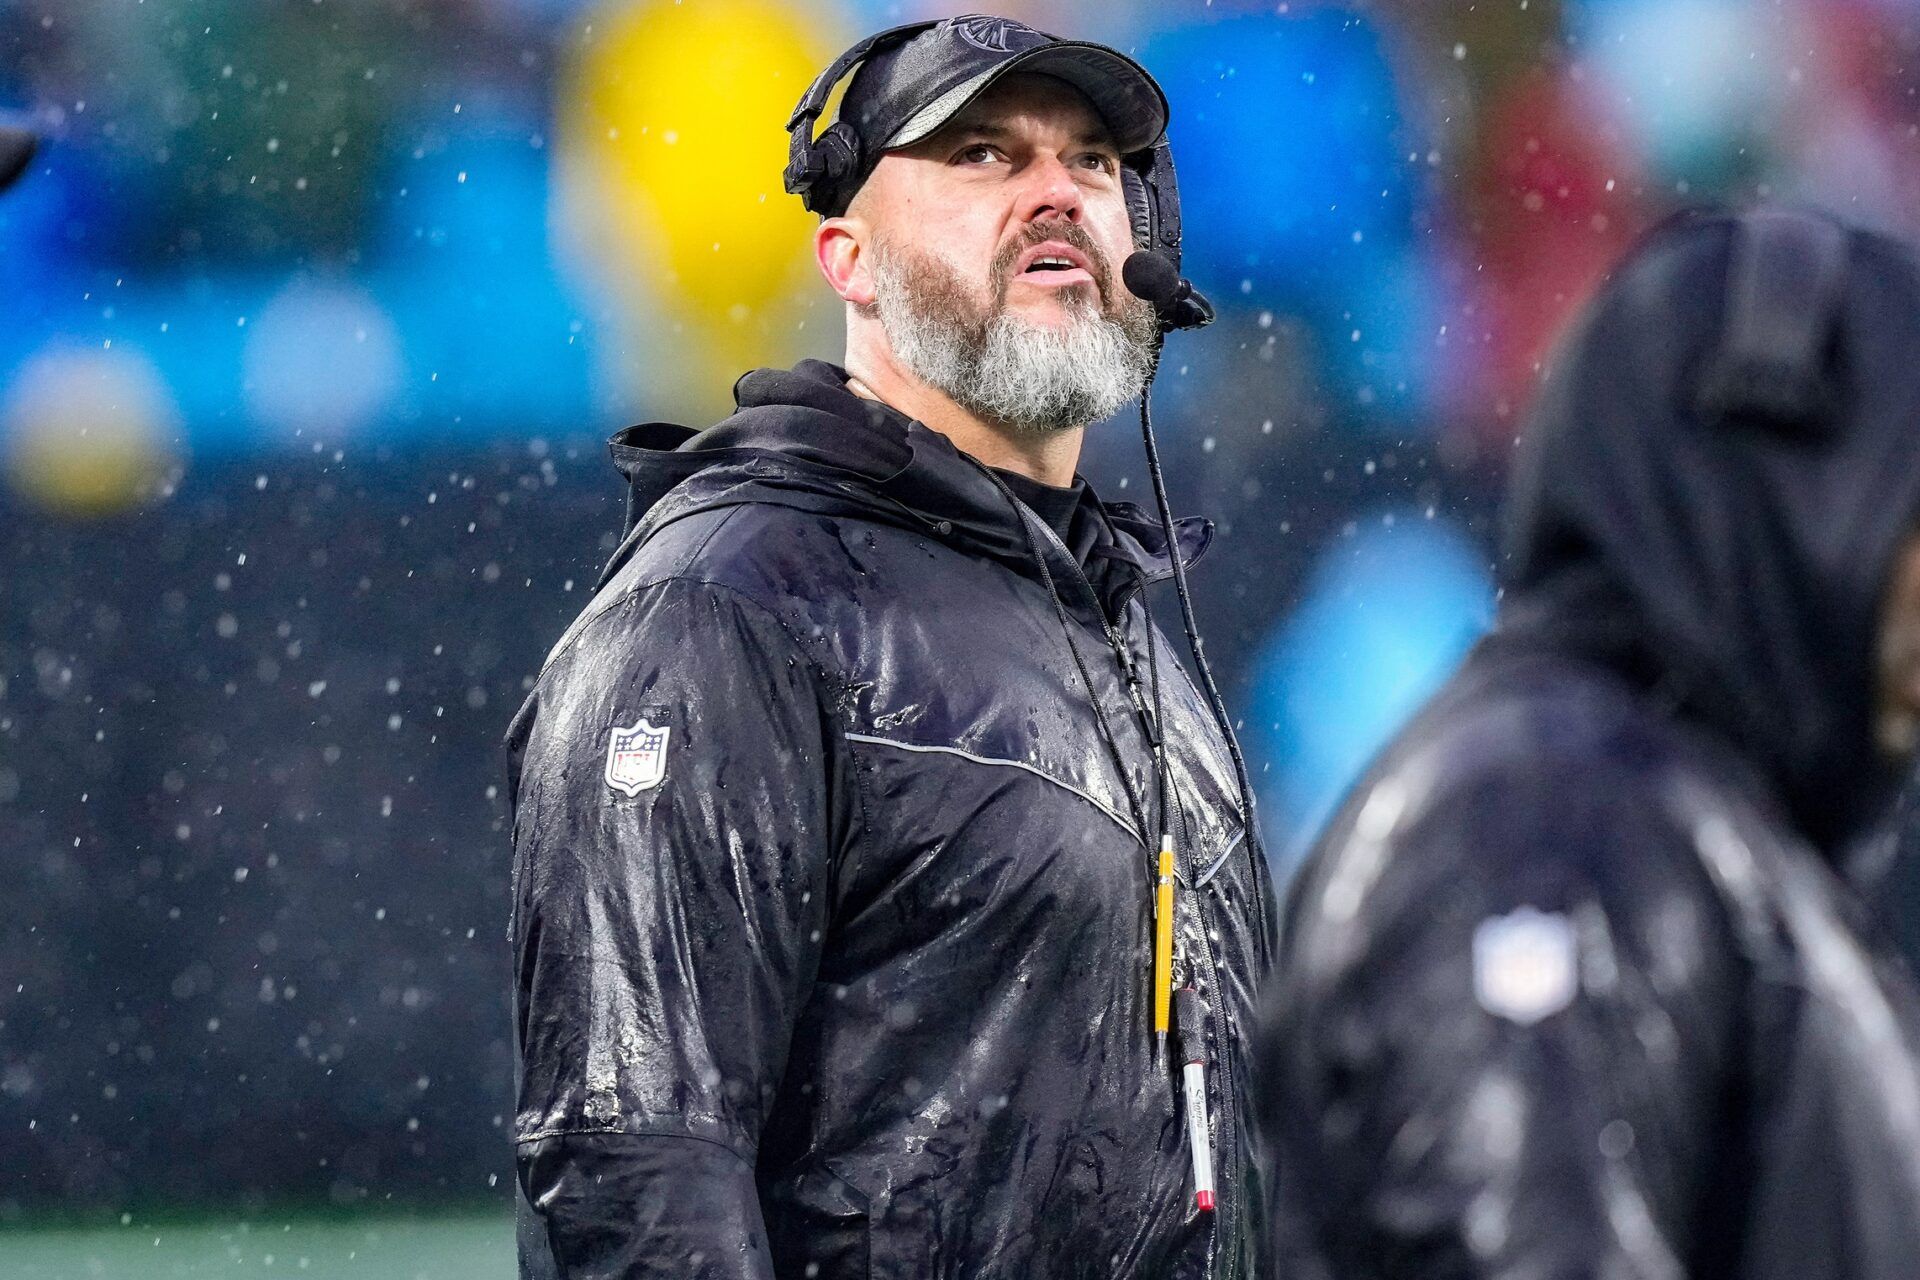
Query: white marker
(1191,1019)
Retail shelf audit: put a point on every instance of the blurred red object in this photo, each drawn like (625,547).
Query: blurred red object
(1552,199)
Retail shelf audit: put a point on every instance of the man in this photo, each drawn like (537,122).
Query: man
(834,897)
(1576,984)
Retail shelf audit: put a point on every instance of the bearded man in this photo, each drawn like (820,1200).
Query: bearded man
(836,811)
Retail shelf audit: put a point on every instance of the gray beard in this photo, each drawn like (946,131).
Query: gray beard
(1032,379)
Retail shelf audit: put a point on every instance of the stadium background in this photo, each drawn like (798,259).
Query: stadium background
(315,314)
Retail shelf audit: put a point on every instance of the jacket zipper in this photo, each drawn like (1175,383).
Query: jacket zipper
(1225,1216)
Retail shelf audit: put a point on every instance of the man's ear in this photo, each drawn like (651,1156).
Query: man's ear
(841,248)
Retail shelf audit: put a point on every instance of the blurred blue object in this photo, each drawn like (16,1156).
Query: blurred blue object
(544,10)
(321,363)
(1384,617)
(1291,147)
(452,324)
(1701,83)
(464,263)
(1299,194)
(43,227)
(1382,347)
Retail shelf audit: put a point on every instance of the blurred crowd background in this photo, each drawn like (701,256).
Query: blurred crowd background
(315,315)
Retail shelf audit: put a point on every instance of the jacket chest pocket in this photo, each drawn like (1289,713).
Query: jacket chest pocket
(955,832)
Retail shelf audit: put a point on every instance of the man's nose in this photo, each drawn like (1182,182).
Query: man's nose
(1050,192)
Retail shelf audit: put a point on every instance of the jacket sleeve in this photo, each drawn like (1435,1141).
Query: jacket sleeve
(1502,1039)
(675,830)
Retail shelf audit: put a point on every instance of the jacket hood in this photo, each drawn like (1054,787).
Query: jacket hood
(799,438)
(1733,558)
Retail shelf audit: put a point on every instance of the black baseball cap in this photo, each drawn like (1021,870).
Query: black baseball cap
(905,92)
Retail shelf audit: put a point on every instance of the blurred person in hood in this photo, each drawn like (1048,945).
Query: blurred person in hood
(1576,984)
(834,896)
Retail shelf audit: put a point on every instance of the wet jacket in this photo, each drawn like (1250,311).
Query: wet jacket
(1573,985)
(833,912)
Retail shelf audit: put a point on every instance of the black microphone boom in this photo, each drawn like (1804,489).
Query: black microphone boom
(1153,277)
(16,151)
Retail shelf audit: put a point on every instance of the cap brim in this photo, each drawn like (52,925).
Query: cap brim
(1122,93)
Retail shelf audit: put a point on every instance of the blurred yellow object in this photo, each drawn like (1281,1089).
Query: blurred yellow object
(89,432)
(672,146)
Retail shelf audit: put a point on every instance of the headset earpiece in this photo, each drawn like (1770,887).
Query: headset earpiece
(817,166)
(1164,186)
(825,164)
(1139,197)
(1153,203)
(1153,200)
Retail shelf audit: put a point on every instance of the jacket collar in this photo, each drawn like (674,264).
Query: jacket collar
(799,437)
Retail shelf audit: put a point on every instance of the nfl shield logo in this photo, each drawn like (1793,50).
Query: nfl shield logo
(1526,966)
(637,757)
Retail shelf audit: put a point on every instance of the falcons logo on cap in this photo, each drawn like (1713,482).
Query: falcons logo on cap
(996,35)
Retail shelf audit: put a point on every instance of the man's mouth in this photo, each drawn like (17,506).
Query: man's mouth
(1053,265)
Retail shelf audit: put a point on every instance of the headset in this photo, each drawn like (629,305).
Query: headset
(819,167)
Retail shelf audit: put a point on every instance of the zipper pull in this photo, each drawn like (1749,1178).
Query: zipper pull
(1135,695)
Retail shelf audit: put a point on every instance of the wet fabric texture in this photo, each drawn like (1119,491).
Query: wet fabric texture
(1575,984)
(833,906)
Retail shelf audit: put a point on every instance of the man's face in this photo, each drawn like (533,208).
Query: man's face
(1024,180)
(993,249)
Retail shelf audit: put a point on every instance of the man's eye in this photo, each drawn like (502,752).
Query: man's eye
(978,153)
(1102,163)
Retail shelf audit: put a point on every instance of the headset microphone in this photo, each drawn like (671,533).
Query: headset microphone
(16,151)
(1152,277)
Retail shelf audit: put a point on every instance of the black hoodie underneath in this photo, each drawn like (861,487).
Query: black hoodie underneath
(833,891)
(1571,984)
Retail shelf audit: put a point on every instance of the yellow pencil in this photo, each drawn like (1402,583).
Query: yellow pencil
(1163,943)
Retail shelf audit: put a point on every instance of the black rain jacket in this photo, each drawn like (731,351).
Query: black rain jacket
(1573,985)
(850,976)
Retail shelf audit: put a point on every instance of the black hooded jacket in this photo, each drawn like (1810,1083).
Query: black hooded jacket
(1573,985)
(849,974)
